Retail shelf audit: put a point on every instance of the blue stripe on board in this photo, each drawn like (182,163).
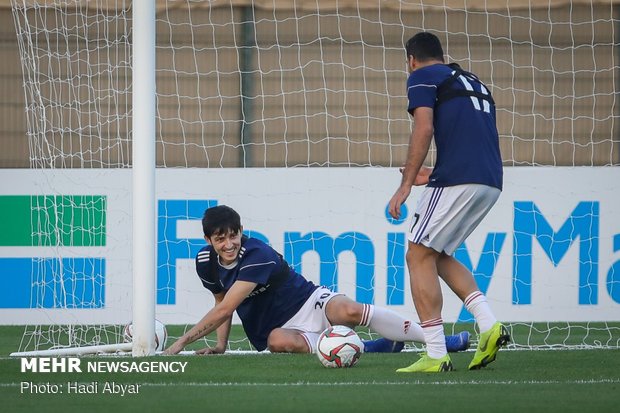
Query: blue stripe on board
(171,247)
(52,283)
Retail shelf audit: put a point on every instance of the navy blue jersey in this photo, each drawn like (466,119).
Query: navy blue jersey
(465,128)
(280,292)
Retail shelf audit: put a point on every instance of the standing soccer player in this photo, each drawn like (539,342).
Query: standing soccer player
(278,307)
(457,108)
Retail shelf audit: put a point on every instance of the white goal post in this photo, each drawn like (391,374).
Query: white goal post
(143,174)
(212,96)
(143,178)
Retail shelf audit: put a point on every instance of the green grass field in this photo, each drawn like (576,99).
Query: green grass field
(519,381)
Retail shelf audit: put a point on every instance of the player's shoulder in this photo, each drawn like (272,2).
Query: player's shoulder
(204,268)
(430,75)
(255,247)
(203,258)
(251,242)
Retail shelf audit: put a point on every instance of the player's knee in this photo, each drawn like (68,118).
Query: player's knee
(409,257)
(281,342)
(418,255)
(342,310)
(356,313)
(276,346)
(351,313)
(415,252)
(276,342)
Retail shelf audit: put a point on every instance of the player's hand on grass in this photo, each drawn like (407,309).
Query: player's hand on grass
(210,350)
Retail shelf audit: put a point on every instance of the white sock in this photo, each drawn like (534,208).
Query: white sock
(476,303)
(391,325)
(435,338)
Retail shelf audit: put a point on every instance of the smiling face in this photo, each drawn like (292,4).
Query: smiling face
(226,245)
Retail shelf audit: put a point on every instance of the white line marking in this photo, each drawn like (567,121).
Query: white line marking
(370,383)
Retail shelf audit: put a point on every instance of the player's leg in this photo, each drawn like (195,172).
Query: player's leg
(394,329)
(471,205)
(343,310)
(493,335)
(427,237)
(284,340)
(428,301)
(325,308)
(462,283)
(301,332)
(427,297)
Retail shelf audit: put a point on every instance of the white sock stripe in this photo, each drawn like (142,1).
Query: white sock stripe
(365,315)
(471,297)
(476,303)
(432,323)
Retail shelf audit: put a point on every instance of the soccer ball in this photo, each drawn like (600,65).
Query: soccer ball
(339,346)
(160,335)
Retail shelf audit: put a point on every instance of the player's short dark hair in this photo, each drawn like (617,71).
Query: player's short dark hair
(424,46)
(220,219)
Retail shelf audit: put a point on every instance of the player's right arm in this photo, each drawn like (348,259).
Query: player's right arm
(218,315)
(419,144)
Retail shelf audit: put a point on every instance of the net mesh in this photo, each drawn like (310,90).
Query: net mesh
(271,85)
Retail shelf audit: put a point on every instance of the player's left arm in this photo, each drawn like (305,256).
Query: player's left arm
(222,332)
(423,176)
(218,315)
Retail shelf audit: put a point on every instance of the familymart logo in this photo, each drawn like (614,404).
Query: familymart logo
(37,223)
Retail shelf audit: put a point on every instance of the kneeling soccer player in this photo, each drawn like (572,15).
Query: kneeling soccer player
(279,308)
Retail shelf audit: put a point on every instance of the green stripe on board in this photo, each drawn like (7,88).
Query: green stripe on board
(53,220)
(16,224)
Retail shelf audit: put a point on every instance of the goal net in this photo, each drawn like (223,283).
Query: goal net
(284,88)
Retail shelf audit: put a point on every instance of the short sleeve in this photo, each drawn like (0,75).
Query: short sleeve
(421,91)
(203,265)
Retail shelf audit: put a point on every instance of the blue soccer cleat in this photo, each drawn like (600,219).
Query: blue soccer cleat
(459,342)
(383,345)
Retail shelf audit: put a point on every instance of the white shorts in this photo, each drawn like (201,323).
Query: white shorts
(311,320)
(446,216)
